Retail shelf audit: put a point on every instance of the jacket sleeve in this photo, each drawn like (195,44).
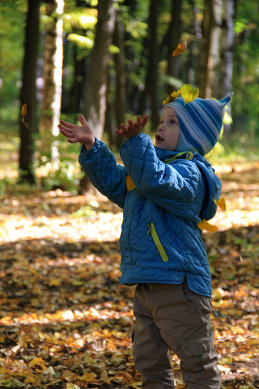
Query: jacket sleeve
(159,182)
(103,171)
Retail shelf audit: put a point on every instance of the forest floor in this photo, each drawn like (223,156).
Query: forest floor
(66,322)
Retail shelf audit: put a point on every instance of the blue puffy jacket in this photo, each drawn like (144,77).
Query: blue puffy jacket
(160,241)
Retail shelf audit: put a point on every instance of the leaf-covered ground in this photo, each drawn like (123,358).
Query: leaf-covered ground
(65,320)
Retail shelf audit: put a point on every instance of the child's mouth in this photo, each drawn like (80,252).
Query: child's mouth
(159,138)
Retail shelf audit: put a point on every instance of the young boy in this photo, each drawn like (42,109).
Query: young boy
(165,191)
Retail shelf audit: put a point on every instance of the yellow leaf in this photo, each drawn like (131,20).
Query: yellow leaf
(24,111)
(204,225)
(172,97)
(29,379)
(54,282)
(111,346)
(89,377)
(189,93)
(129,183)
(38,362)
(180,48)
(222,203)
(226,361)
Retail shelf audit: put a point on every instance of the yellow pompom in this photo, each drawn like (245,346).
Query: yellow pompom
(189,93)
(204,225)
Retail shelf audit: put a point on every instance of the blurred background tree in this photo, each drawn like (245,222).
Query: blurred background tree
(118,63)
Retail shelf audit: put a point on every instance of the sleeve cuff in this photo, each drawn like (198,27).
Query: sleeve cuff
(94,149)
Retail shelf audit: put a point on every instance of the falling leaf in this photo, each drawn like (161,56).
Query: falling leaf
(204,225)
(189,93)
(129,183)
(181,47)
(222,203)
(24,112)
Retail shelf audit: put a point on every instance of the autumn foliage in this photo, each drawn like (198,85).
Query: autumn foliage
(65,320)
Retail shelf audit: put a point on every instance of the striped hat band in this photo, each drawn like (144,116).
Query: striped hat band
(200,123)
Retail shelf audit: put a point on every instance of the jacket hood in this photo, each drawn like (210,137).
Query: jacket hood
(211,180)
(213,187)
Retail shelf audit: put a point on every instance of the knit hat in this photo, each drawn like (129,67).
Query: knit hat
(200,123)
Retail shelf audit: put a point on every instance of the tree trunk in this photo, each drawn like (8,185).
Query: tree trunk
(174,36)
(120,89)
(52,76)
(132,60)
(209,46)
(193,46)
(76,92)
(227,47)
(28,93)
(96,81)
(119,71)
(151,84)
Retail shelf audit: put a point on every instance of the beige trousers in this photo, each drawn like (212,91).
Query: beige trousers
(173,317)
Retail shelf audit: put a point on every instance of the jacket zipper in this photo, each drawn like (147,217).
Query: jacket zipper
(159,246)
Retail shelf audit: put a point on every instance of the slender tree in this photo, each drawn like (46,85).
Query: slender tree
(75,96)
(96,80)
(52,76)
(151,85)
(120,76)
(194,45)
(131,60)
(173,38)
(116,101)
(209,54)
(227,47)
(28,93)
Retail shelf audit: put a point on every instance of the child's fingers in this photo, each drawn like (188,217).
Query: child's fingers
(138,122)
(82,120)
(130,123)
(66,124)
(145,120)
(119,132)
(66,130)
(67,134)
(73,140)
(122,127)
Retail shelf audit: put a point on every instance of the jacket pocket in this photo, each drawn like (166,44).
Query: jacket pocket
(158,244)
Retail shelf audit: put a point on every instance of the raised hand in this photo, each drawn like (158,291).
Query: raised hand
(74,133)
(133,128)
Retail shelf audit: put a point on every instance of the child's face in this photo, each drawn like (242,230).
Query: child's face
(168,131)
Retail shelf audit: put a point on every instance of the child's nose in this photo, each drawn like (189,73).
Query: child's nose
(161,127)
